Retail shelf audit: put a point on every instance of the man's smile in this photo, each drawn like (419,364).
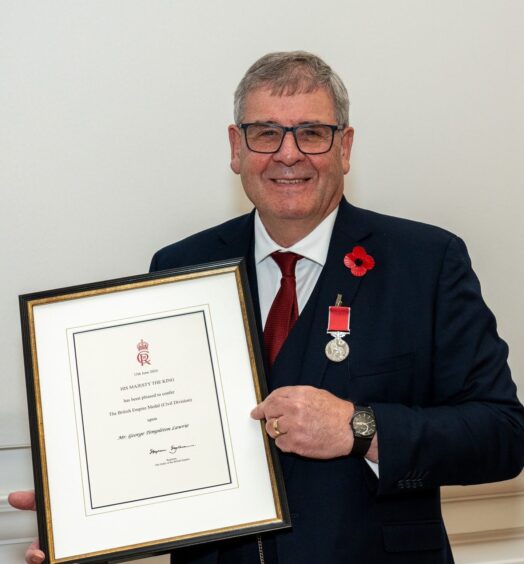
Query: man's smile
(288,181)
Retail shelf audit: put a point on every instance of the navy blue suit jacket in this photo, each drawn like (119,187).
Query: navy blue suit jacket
(425,355)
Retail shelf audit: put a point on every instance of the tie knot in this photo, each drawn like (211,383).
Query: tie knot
(286,262)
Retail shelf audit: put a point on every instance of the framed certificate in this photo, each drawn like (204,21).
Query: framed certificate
(139,393)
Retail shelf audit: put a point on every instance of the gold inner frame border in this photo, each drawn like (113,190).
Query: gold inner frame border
(169,279)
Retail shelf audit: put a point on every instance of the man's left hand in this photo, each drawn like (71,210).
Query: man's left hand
(311,422)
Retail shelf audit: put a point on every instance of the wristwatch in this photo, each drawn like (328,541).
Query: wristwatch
(364,427)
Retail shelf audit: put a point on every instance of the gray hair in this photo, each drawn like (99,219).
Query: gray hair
(292,72)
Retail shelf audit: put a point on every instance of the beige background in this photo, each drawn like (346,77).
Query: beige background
(113,143)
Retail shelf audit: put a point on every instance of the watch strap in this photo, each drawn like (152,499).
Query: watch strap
(360,446)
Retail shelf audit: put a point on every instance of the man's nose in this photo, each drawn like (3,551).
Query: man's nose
(289,152)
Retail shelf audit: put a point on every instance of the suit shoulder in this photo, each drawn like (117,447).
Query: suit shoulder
(408,231)
(197,248)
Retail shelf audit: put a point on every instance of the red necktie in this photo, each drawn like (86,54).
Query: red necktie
(284,310)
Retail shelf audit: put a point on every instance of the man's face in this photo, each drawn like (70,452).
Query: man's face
(289,185)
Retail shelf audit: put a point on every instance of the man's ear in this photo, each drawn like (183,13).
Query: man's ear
(235,141)
(345,148)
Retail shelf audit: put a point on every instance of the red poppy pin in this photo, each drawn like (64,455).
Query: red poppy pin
(358,261)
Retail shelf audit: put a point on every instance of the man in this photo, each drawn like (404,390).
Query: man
(424,367)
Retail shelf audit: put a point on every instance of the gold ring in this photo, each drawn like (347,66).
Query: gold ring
(275,427)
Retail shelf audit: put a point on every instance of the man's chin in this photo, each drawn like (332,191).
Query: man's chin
(287,212)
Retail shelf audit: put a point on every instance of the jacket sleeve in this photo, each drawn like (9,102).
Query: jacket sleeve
(474,430)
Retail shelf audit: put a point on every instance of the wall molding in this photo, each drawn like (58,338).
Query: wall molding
(487,536)
(16,527)
(4,504)
(511,561)
(16,446)
(478,497)
(495,490)
(24,540)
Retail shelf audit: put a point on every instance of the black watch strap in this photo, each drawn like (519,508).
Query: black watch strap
(360,446)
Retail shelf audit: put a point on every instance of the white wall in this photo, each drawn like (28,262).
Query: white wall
(113,118)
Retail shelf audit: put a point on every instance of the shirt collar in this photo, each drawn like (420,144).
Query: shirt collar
(313,247)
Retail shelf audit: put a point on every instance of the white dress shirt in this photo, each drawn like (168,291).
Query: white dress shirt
(313,248)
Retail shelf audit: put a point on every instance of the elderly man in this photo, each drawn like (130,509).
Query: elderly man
(408,389)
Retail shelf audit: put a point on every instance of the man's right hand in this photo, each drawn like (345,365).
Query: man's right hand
(26,500)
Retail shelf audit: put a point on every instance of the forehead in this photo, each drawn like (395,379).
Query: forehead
(261,105)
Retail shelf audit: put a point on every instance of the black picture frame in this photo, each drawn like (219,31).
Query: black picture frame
(44,319)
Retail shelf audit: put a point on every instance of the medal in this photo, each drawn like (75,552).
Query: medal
(337,349)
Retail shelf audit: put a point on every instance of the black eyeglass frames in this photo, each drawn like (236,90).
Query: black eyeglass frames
(311,139)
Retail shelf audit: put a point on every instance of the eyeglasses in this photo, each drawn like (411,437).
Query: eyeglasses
(311,139)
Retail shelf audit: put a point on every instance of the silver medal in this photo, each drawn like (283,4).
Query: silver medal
(337,350)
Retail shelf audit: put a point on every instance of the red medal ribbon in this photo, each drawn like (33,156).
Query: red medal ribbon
(338,319)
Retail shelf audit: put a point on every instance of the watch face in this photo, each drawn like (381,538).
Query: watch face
(364,424)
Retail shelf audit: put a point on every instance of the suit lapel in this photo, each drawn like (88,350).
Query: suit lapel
(239,241)
(234,238)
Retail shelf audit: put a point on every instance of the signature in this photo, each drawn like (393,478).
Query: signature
(172,450)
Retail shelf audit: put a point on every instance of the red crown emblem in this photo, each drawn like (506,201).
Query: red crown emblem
(143,352)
